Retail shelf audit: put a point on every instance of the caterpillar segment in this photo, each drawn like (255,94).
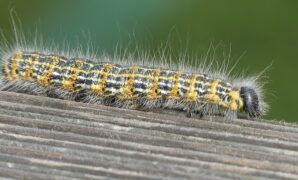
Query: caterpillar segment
(134,87)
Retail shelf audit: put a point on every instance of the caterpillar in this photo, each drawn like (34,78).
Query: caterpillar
(130,86)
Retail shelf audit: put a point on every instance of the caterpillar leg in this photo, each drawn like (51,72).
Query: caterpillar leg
(190,114)
(194,109)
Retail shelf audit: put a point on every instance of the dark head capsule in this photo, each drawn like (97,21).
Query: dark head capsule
(250,101)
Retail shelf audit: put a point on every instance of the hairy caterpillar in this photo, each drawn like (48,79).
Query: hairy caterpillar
(40,71)
(133,87)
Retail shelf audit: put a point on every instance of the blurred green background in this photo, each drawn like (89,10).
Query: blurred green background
(266,30)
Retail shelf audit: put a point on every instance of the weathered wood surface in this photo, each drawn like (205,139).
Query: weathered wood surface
(45,138)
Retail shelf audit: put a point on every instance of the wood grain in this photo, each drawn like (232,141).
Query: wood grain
(46,138)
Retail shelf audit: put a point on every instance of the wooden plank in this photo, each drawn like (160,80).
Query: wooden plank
(42,138)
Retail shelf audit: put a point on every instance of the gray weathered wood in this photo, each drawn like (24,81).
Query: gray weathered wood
(42,138)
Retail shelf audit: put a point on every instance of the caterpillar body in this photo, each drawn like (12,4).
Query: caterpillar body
(129,86)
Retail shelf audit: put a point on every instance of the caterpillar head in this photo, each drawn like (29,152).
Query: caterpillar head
(250,101)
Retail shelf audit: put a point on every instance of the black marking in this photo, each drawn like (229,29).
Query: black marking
(251,101)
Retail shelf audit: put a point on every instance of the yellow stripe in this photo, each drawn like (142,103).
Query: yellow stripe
(6,70)
(104,73)
(45,79)
(154,91)
(192,94)
(14,66)
(128,90)
(235,95)
(175,90)
(211,97)
(29,71)
(71,82)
